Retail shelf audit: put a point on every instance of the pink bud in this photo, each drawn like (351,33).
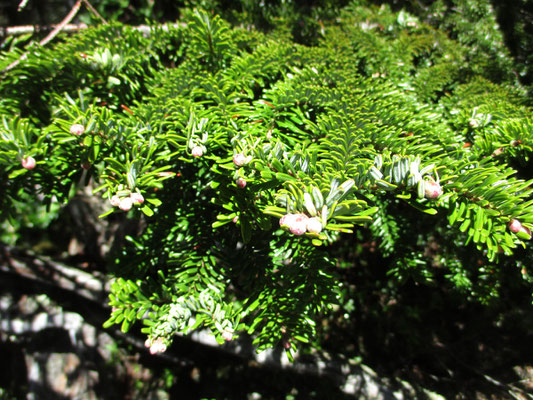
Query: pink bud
(239,159)
(125,204)
(515,226)
(432,189)
(227,335)
(299,224)
(241,183)
(474,123)
(136,198)
(28,162)
(197,151)
(77,129)
(235,219)
(287,220)
(115,201)
(158,346)
(314,225)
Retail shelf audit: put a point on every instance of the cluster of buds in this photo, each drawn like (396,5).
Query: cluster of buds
(28,162)
(157,345)
(240,159)
(126,202)
(298,224)
(432,190)
(516,226)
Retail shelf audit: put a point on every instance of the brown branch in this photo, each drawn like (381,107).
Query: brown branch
(93,10)
(66,27)
(72,13)
(24,29)
(51,35)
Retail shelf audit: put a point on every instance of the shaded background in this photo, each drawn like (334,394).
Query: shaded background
(433,340)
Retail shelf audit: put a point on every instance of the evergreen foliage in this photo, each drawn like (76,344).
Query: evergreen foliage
(379,127)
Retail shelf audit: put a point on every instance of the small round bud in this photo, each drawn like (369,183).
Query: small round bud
(28,162)
(235,219)
(287,220)
(136,198)
(227,335)
(241,183)
(299,224)
(77,129)
(314,225)
(158,346)
(197,151)
(125,204)
(239,159)
(115,201)
(515,226)
(474,123)
(432,190)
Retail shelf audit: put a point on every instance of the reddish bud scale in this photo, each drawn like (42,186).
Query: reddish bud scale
(241,183)
(125,108)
